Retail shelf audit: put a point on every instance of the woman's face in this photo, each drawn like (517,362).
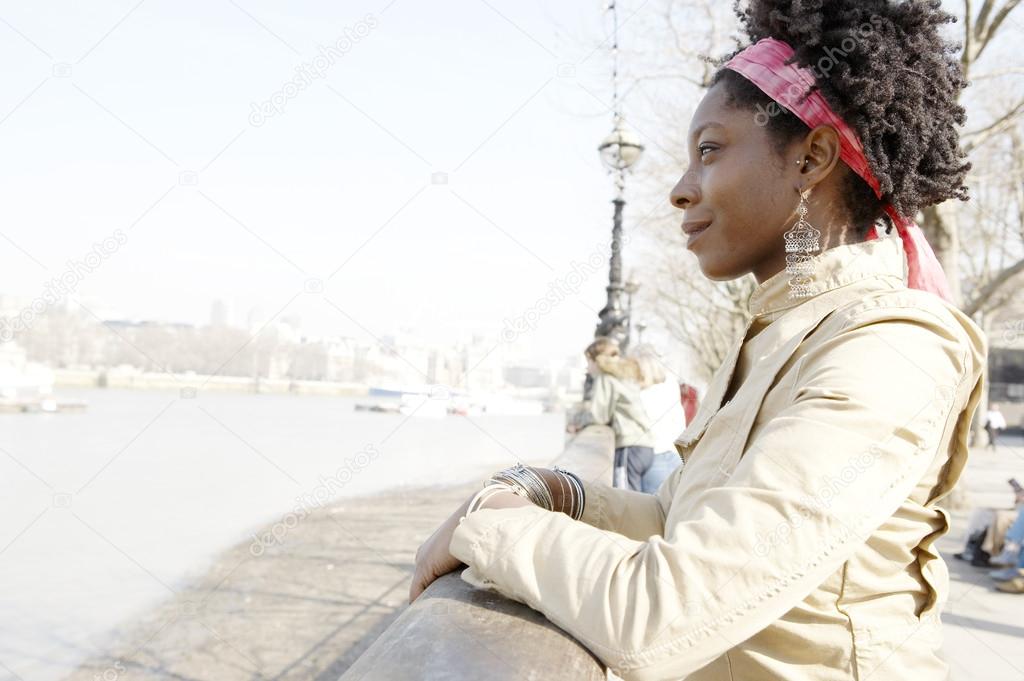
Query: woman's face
(738,185)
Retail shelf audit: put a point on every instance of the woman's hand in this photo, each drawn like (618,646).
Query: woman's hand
(434,559)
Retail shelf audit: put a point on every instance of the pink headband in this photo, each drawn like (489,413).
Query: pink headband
(764,64)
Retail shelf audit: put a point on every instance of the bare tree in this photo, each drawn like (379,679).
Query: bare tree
(670,75)
(941,223)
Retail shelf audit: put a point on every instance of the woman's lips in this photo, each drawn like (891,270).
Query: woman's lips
(694,229)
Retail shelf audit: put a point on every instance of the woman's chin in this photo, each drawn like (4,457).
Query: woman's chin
(712,265)
(716,270)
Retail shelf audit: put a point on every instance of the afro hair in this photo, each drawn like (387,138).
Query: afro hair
(886,70)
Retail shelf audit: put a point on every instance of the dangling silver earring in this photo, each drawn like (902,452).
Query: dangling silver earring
(801,241)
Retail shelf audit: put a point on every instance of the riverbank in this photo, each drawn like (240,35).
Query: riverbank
(304,608)
(309,606)
(136,379)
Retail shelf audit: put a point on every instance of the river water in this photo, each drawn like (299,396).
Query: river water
(106,511)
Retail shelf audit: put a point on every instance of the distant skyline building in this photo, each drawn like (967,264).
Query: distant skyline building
(218,313)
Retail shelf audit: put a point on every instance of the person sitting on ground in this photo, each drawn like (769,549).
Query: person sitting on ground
(1010,559)
(1011,579)
(988,533)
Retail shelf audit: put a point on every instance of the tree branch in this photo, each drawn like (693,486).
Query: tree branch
(979,26)
(985,293)
(997,126)
(985,30)
(998,20)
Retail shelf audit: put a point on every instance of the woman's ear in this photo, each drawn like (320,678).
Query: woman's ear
(819,155)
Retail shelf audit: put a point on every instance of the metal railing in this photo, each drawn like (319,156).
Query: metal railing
(455,632)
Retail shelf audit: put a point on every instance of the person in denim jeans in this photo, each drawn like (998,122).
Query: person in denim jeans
(616,402)
(1011,579)
(660,397)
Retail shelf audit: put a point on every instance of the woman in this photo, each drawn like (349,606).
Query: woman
(797,540)
(616,401)
(660,397)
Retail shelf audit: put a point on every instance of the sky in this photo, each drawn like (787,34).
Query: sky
(434,176)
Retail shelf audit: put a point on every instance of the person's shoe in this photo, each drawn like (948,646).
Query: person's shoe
(964,555)
(1004,574)
(1012,586)
(980,559)
(1009,555)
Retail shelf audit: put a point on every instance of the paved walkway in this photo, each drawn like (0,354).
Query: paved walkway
(984,628)
(309,606)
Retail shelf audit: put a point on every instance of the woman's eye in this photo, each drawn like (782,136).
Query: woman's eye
(703,148)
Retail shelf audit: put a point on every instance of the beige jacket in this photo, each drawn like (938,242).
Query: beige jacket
(798,540)
(615,401)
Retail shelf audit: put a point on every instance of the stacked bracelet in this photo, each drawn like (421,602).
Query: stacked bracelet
(527,483)
(579,494)
(483,495)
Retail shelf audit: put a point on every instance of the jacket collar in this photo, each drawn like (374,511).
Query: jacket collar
(838,266)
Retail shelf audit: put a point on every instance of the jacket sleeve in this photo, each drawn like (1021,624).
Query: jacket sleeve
(633,514)
(867,411)
(602,400)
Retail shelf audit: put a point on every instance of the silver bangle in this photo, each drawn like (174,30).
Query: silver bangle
(483,495)
(579,492)
(534,488)
(529,484)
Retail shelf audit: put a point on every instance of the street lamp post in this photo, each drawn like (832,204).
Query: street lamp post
(631,287)
(619,151)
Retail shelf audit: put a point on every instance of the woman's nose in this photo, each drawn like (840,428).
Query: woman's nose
(685,193)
